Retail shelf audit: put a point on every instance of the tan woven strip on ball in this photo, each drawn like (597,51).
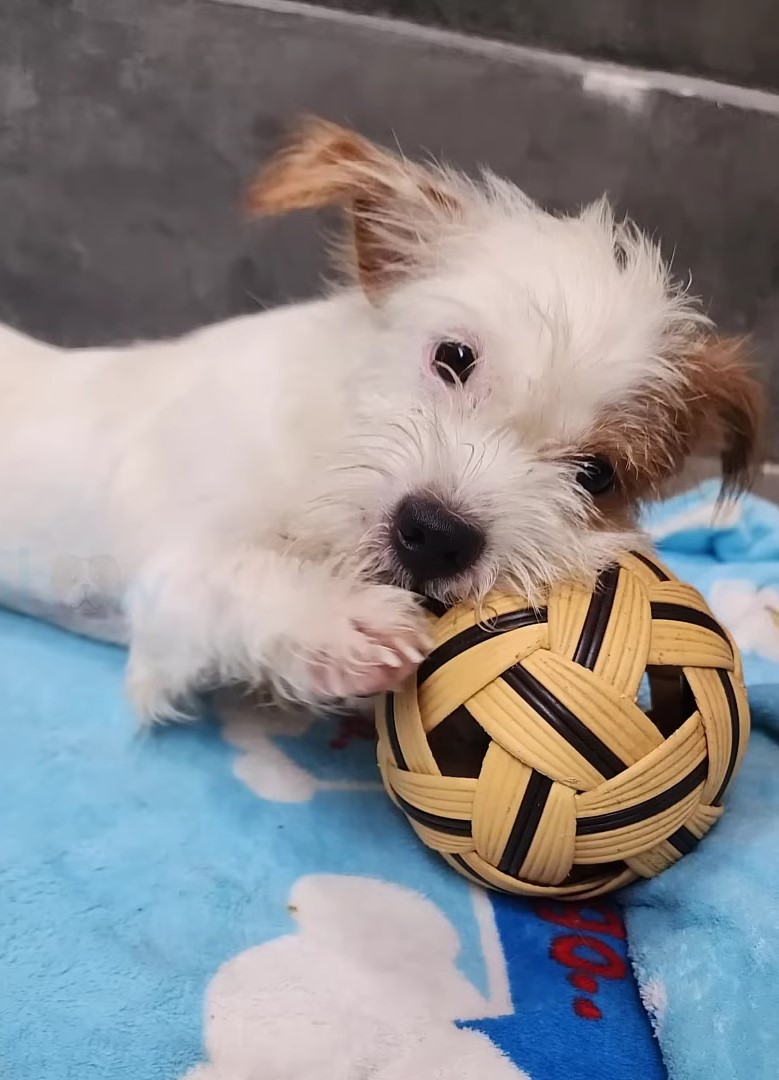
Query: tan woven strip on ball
(663,855)
(650,863)
(715,699)
(647,568)
(702,819)
(384,766)
(441,841)
(566,611)
(551,853)
(623,842)
(409,734)
(488,875)
(447,796)
(664,766)
(501,787)
(605,712)
(679,593)
(683,644)
(622,658)
(459,619)
(738,665)
(383,755)
(380,718)
(454,683)
(518,728)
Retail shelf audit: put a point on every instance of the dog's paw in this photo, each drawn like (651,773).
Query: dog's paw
(371,639)
(153,697)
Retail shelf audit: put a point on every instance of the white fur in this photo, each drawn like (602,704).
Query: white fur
(226,496)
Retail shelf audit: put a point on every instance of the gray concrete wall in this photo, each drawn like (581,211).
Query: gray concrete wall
(734,40)
(128,130)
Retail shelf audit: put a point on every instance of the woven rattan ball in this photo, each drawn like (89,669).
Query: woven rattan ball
(568,751)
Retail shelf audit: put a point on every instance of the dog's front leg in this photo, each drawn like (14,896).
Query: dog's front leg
(205,617)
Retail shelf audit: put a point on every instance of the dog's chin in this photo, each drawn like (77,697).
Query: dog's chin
(442,593)
(469,588)
(474,588)
(530,578)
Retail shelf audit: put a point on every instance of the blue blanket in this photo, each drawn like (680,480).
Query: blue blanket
(238,900)
(241,901)
(705,936)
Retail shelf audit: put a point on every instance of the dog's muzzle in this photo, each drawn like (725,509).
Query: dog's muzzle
(431,542)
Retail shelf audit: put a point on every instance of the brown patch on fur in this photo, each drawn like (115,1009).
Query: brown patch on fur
(320,166)
(392,203)
(717,408)
(616,510)
(728,410)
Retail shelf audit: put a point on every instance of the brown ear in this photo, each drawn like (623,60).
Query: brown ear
(321,164)
(717,409)
(395,205)
(727,407)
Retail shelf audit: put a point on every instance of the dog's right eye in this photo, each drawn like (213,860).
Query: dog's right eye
(596,475)
(454,362)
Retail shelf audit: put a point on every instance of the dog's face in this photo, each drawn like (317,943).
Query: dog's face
(527,380)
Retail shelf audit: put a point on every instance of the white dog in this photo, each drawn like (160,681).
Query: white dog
(263,500)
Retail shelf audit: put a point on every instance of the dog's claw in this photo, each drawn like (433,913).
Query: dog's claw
(375,642)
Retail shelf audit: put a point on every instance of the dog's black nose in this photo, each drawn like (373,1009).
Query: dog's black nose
(432,542)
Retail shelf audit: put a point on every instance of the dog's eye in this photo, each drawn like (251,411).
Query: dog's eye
(454,362)
(596,475)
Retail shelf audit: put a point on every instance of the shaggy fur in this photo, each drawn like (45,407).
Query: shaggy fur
(224,503)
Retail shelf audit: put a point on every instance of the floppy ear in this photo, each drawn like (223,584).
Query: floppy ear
(717,408)
(727,404)
(395,206)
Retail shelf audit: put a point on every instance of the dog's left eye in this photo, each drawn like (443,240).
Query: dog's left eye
(596,475)
(454,362)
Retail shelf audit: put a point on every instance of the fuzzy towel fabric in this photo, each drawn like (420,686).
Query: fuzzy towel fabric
(705,936)
(240,901)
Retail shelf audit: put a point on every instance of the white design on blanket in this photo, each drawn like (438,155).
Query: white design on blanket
(706,515)
(751,615)
(368,987)
(263,766)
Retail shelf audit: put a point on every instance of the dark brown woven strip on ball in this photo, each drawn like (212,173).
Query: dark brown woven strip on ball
(525,824)
(662,611)
(392,732)
(659,574)
(451,826)
(469,870)
(459,744)
(684,840)
(570,727)
(596,621)
(476,635)
(631,815)
(581,873)
(735,727)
